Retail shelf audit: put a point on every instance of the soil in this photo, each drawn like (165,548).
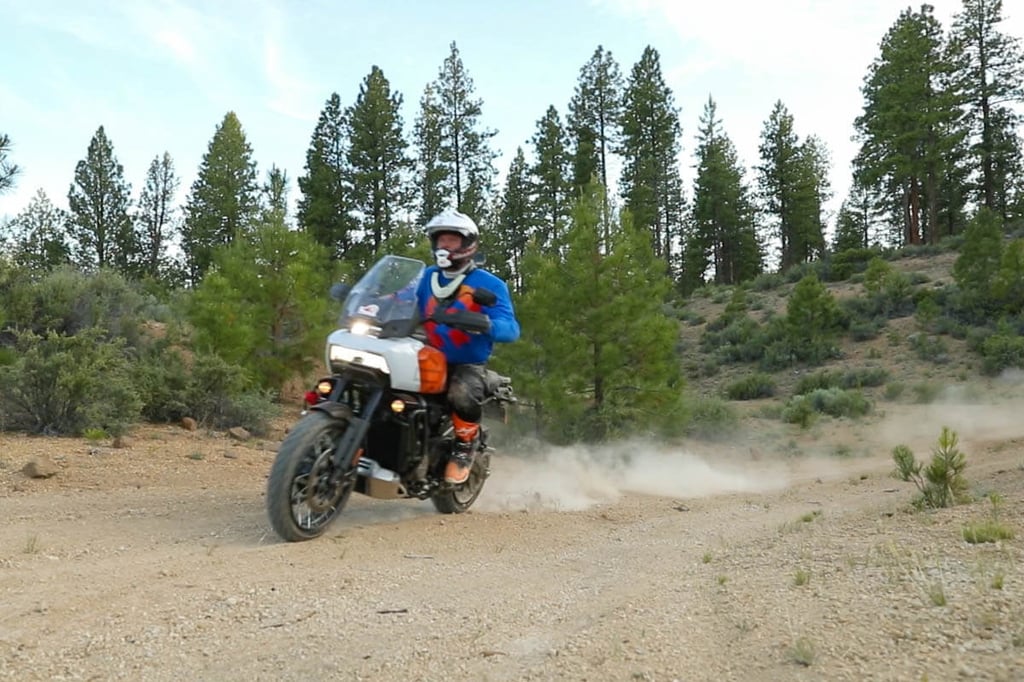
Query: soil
(778,554)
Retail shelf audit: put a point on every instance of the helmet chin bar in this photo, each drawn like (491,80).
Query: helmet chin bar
(443,259)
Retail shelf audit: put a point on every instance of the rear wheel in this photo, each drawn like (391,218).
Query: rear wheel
(457,499)
(302,500)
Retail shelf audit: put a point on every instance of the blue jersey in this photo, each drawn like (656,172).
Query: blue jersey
(461,347)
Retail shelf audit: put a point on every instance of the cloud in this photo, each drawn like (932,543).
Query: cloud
(180,47)
(288,93)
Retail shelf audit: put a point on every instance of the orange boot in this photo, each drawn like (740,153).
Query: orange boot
(461,461)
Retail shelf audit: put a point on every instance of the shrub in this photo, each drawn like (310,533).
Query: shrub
(710,418)
(863,377)
(926,392)
(930,348)
(799,411)
(214,392)
(767,281)
(65,385)
(812,382)
(751,387)
(941,482)
(1000,351)
(831,401)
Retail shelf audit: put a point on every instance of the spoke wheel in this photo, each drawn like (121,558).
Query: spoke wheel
(460,498)
(305,492)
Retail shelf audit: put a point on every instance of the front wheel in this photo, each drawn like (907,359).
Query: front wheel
(304,494)
(458,499)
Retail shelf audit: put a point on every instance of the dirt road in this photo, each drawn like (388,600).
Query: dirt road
(773,559)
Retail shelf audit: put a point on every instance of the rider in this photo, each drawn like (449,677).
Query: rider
(454,239)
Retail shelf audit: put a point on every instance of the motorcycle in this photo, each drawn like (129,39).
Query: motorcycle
(380,424)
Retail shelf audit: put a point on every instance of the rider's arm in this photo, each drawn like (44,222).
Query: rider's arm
(504,325)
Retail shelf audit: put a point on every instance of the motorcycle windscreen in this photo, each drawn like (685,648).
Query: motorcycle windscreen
(386,293)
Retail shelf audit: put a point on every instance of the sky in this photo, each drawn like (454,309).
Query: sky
(159,75)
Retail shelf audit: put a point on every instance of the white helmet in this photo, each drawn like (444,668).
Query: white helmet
(460,224)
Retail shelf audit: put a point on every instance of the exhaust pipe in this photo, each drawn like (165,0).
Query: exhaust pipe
(379,482)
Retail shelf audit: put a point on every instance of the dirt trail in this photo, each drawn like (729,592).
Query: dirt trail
(636,562)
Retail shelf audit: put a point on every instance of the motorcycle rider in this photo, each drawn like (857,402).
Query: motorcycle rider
(449,284)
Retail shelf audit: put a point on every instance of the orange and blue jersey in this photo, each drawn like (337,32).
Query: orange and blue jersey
(460,347)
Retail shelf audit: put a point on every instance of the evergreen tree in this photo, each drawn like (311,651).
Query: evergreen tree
(275,195)
(378,159)
(911,121)
(793,186)
(433,178)
(156,219)
(262,307)
(991,73)
(724,238)
(8,170)
(325,209)
(39,240)
(1008,166)
(977,265)
(857,225)
(224,200)
(99,200)
(550,174)
(594,114)
(464,146)
(599,358)
(651,183)
(506,242)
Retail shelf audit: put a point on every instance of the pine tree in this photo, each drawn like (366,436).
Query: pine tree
(325,209)
(911,121)
(274,194)
(377,157)
(651,183)
(224,200)
(793,187)
(262,307)
(599,358)
(724,238)
(594,114)
(39,240)
(464,146)
(8,170)
(990,66)
(433,178)
(550,177)
(156,218)
(506,242)
(99,200)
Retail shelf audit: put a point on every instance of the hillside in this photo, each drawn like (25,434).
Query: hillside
(769,552)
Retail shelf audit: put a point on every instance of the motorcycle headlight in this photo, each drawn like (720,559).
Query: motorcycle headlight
(360,327)
(358,357)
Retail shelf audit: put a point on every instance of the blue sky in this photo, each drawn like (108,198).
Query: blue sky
(159,75)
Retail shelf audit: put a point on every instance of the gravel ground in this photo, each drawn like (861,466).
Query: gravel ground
(636,562)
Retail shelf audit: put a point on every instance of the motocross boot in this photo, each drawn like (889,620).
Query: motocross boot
(460,463)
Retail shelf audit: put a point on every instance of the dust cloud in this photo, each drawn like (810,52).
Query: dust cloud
(990,412)
(576,478)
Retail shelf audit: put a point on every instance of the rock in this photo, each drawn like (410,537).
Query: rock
(189,424)
(40,467)
(238,433)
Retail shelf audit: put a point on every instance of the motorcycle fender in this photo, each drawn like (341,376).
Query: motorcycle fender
(333,409)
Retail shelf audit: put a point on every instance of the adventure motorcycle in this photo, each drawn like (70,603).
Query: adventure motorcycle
(380,424)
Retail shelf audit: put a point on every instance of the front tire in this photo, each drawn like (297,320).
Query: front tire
(301,500)
(458,499)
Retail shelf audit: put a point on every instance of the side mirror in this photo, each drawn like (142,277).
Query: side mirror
(484,297)
(339,291)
